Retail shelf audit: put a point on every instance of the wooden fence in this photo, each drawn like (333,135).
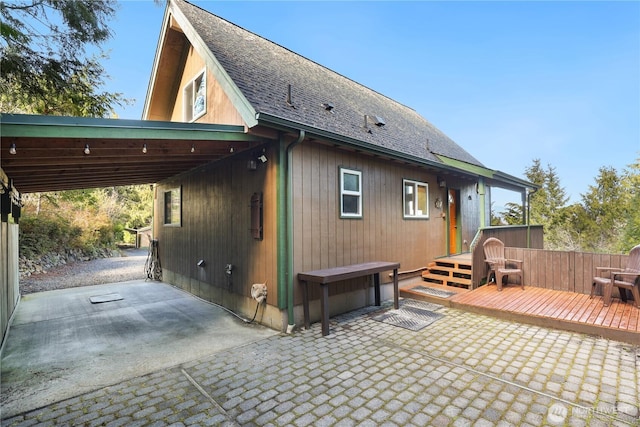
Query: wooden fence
(512,236)
(9,274)
(563,271)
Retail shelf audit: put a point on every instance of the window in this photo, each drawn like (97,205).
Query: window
(195,98)
(350,193)
(415,199)
(173,207)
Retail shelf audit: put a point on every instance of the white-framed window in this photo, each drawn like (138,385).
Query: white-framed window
(350,193)
(195,97)
(173,207)
(415,199)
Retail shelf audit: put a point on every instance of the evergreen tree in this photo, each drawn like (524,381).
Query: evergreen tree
(537,201)
(607,209)
(547,204)
(43,59)
(631,185)
(513,214)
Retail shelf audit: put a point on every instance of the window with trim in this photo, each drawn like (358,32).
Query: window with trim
(195,97)
(173,207)
(415,199)
(350,193)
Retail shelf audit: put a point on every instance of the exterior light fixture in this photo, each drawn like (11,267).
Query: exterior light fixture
(193,148)
(86,149)
(12,148)
(231,149)
(262,158)
(144,148)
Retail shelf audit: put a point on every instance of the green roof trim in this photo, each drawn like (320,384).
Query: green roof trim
(467,167)
(22,125)
(495,177)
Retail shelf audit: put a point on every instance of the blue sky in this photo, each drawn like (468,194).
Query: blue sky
(508,81)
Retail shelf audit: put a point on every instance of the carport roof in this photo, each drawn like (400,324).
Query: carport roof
(50,150)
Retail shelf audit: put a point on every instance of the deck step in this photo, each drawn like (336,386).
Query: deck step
(449,272)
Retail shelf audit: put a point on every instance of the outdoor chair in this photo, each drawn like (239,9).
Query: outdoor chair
(500,266)
(622,278)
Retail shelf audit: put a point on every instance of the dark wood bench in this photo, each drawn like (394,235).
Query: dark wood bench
(332,275)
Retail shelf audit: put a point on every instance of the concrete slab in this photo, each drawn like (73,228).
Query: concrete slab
(61,345)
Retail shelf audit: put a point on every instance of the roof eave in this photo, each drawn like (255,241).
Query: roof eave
(292,126)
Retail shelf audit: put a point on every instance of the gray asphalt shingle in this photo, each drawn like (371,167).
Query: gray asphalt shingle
(263,71)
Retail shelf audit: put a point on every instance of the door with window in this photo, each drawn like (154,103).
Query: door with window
(454,208)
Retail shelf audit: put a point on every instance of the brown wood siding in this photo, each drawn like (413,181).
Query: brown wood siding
(216,222)
(170,63)
(322,239)
(220,110)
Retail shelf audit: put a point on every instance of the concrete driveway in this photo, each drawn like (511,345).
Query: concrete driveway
(61,344)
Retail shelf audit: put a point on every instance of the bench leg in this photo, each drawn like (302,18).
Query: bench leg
(396,293)
(324,309)
(305,305)
(376,286)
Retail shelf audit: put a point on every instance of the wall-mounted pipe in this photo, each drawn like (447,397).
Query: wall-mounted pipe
(289,237)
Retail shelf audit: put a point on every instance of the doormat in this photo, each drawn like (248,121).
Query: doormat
(433,292)
(414,315)
(98,299)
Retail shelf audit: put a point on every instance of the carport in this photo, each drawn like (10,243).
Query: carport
(53,153)
(61,343)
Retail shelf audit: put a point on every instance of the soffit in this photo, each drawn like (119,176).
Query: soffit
(50,150)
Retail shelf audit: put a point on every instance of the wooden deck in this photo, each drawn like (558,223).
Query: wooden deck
(548,308)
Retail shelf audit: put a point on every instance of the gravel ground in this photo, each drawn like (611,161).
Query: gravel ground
(129,266)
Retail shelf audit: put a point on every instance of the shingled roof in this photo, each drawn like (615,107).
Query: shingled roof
(278,82)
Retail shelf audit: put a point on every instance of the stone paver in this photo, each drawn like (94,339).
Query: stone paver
(463,369)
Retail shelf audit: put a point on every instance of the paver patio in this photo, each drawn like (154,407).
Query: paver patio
(463,369)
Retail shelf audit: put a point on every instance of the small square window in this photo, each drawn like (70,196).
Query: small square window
(195,98)
(350,193)
(173,207)
(415,199)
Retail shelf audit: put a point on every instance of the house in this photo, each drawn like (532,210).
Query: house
(336,173)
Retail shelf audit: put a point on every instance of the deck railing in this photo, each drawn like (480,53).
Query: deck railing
(563,270)
(517,236)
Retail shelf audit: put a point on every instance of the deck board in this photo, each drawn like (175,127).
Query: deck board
(558,309)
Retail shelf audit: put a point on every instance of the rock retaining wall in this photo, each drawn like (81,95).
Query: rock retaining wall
(46,262)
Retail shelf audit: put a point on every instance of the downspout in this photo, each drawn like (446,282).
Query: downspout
(286,227)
